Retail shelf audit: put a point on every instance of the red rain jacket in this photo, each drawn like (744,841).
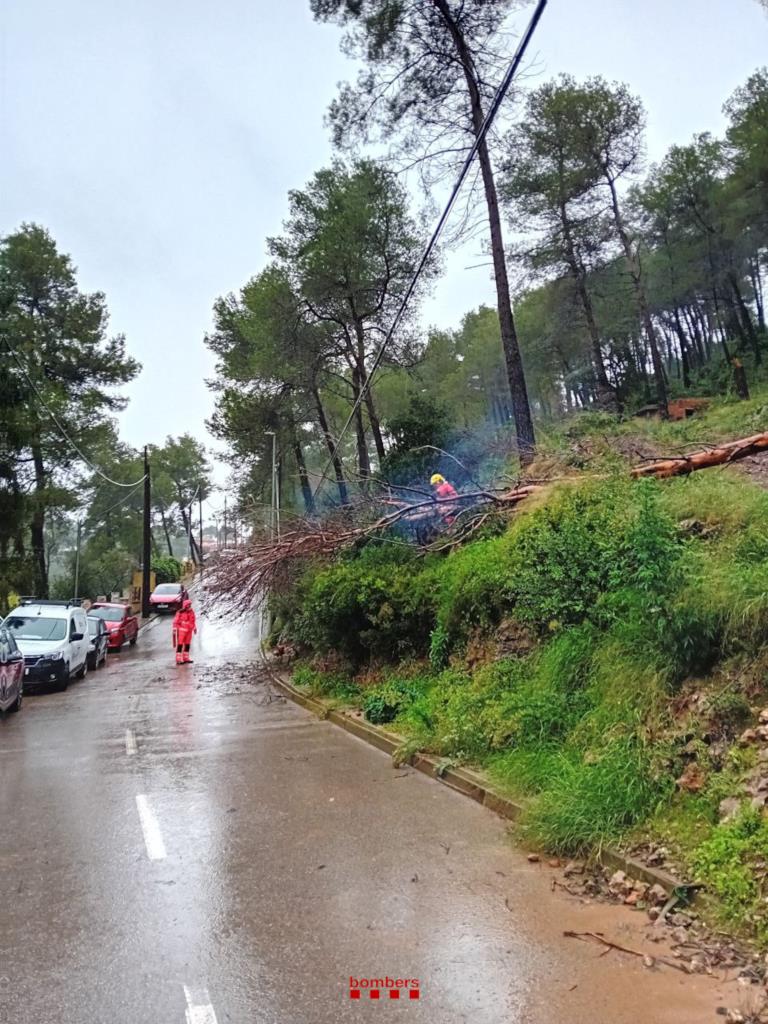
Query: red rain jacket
(184,625)
(445,490)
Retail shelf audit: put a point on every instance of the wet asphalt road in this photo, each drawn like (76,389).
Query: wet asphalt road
(176,847)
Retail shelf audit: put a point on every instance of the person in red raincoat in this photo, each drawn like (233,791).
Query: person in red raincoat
(442,490)
(184,626)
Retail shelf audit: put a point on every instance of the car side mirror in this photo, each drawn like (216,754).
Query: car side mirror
(77,636)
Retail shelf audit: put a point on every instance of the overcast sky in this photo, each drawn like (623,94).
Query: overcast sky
(157,141)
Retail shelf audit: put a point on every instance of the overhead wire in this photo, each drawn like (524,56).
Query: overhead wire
(479,140)
(62,430)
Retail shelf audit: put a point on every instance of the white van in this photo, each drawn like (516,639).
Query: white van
(53,637)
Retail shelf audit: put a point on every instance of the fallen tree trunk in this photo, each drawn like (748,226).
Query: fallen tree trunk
(241,579)
(717,456)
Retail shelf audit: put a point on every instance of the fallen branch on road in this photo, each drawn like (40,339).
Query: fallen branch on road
(647,958)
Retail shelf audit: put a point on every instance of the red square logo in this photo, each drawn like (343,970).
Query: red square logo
(354,993)
(375,993)
(413,993)
(394,993)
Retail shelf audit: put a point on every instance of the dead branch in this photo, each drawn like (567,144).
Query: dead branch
(599,938)
(241,579)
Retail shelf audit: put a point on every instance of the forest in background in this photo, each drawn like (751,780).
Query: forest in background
(62,462)
(631,284)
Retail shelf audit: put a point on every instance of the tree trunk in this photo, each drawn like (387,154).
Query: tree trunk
(526,440)
(642,362)
(635,272)
(373,419)
(330,444)
(744,448)
(165,531)
(607,398)
(745,318)
(683,342)
(757,288)
(740,380)
(363,461)
(37,526)
(193,547)
(375,423)
(301,466)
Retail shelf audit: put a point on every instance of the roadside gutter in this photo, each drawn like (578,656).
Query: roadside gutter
(463,780)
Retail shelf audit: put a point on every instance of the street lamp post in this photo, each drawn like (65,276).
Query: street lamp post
(77,558)
(274,507)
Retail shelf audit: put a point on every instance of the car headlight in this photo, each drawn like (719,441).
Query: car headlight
(56,656)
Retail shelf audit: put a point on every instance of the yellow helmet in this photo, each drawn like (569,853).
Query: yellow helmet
(437,479)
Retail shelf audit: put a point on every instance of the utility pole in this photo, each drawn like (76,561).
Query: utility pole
(225,522)
(77,559)
(147,552)
(200,510)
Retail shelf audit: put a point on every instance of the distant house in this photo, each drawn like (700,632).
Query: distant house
(679,408)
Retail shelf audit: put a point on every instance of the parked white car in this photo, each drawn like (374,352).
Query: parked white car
(53,637)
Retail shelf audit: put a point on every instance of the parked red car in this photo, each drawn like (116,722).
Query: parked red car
(122,625)
(11,672)
(168,597)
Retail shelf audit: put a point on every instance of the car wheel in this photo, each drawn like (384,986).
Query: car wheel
(64,681)
(103,658)
(133,640)
(16,706)
(82,672)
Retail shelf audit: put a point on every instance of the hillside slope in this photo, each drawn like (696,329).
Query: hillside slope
(603,656)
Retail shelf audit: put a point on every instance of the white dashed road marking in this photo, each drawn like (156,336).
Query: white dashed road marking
(130,742)
(199,1009)
(153,838)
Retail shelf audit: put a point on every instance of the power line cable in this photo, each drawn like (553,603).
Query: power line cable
(120,502)
(479,139)
(65,435)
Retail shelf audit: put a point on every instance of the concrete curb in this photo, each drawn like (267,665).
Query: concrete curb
(149,622)
(469,783)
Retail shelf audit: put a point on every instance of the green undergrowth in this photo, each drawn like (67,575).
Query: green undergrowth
(609,643)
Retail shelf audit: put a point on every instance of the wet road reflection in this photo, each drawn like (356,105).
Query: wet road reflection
(177,846)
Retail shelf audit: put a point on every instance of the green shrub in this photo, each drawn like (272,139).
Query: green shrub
(473,588)
(439,648)
(375,605)
(382,704)
(577,556)
(166,569)
(326,684)
(732,865)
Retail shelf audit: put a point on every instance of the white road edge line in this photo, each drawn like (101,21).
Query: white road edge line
(130,742)
(153,838)
(199,1009)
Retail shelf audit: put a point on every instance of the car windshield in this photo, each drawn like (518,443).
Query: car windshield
(93,626)
(108,614)
(166,589)
(7,645)
(36,627)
